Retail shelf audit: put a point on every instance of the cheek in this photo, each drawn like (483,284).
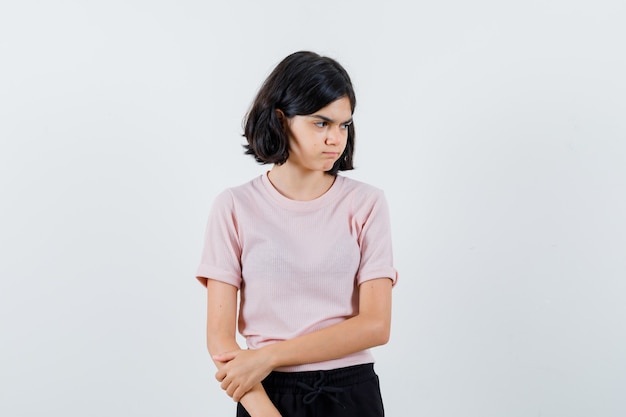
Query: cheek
(345,139)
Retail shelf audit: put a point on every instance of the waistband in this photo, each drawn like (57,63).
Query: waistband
(304,382)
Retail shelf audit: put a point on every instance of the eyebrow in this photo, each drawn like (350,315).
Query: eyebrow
(328,119)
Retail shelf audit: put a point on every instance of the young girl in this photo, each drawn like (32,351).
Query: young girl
(309,252)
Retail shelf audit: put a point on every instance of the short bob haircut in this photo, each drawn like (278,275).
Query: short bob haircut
(301,84)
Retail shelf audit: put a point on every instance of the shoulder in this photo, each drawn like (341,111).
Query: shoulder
(239,192)
(361,192)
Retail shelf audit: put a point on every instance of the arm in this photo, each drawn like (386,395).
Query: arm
(221,324)
(240,370)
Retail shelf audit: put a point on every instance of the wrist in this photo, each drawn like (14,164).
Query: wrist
(257,403)
(268,410)
(272,355)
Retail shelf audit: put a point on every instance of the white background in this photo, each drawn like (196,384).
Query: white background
(497,130)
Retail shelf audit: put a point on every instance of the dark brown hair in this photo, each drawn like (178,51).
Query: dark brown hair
(301,84)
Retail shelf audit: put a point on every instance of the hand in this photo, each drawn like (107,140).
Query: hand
(242,370)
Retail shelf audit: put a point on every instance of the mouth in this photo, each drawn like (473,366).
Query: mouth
(331,154)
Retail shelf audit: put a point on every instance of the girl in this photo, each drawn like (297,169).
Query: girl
(309,252)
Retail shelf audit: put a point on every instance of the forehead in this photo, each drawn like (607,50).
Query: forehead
(339,110)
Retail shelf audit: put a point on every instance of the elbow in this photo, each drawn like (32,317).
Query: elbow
(211,347)
(383,336)
(217,342)
(212,341)
(380,332)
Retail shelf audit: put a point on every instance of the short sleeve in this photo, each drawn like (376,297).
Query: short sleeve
(221,255)
(375,241)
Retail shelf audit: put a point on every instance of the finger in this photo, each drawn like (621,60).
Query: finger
(238,394)
(231,390)
(225,357)
(225,384)
(220,375)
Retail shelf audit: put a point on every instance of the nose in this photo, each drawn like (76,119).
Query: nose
(333,135)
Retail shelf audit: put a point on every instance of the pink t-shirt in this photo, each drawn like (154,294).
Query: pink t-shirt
(297,264)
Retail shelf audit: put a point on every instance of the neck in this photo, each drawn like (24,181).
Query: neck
(300,185)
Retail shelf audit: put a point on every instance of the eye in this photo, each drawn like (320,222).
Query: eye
(345,125)
(321,123)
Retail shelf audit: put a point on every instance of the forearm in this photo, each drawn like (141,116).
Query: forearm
(256,402)
(241,370)
(221,337)
(353,335)
(367,329)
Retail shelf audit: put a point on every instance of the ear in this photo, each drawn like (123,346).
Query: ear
(281,116)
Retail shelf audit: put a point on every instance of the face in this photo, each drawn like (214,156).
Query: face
(317,140)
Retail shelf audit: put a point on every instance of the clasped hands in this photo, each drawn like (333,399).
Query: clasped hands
(241,370)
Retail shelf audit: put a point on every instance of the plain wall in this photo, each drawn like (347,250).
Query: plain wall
(497,130)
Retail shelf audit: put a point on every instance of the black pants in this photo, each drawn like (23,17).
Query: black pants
(345,392)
